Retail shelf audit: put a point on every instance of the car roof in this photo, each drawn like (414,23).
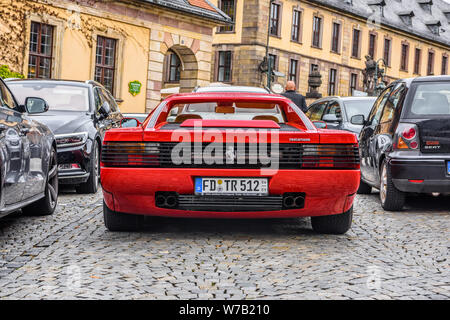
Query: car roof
(352,98)
(60,81)
(222,88)
(207,96)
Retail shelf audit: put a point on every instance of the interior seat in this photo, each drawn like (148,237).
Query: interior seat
(185,116)
(266,117)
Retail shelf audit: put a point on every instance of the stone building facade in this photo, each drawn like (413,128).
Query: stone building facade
(115,42)
(335,35)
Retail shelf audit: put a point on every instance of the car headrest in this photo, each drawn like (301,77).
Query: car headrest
(185,116)
(437,103)
(266,117)
(224,109)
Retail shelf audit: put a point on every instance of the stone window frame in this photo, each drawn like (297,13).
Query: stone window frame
(216,64)
(280,17)
(339,48)
(59,27)
(301,13)
(417,62)
(322,20)
(444,71)
(389,38)
(431,50)
(233,30)
(406,67)
(358,56)
(375,45)
(297,79)
(335,83)
(118,72)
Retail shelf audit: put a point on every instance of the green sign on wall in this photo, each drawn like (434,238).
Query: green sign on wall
(134,87)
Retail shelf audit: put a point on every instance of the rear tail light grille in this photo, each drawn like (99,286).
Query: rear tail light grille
(288,155)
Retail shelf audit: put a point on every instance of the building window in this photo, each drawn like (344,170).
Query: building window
(224,66)
(229,7)
(293,67)
(332,82)
(404,57)
(444,65)
(387,52)
(41,49)
(372,45)
(105,62)
(430,66)
(274,19)
(335,37)
(417,57)
(312,67)
(173,67)
(296,22)
(353,83)
(356,40)
(317,32)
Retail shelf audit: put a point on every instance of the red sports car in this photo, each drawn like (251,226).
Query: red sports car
(229,155)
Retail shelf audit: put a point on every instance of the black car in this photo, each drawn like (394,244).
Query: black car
(28,162)
(336,112)
(405,141)
(79,114)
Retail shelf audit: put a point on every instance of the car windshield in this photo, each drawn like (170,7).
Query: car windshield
(431,99)
(354,107)
(225,111)
(58,96)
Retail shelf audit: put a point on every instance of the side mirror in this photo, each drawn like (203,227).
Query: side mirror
(35,105)
(358,119)
(105,109)
(331,117)
(320,124)
(129,123)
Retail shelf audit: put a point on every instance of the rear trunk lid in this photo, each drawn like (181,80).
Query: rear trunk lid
(434,135)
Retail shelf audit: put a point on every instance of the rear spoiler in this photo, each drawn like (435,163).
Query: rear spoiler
(269,124)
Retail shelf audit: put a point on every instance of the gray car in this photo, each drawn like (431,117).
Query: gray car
(28,160)
(336,112)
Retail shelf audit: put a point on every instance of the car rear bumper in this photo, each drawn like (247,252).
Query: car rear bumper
(132,190)
(422,175)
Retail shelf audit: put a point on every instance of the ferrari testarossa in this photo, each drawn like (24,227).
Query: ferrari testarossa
(229,155)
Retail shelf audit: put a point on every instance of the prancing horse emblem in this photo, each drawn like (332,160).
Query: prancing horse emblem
(230,155)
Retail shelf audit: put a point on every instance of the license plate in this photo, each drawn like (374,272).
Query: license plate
(232,186)
(448,167)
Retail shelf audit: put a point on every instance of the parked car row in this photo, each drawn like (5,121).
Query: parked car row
(404,136)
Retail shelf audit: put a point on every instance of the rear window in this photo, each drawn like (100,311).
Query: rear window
(430,99)
(355,107)
(227,111)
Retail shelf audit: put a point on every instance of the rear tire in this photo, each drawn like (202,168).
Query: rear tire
(364,188)
(391,198)
(117,221)
(47,205)
(333,224)
(91,185)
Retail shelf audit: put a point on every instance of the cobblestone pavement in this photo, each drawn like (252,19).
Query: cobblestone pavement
(386,255)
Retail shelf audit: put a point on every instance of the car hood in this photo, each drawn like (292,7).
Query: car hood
(61,122)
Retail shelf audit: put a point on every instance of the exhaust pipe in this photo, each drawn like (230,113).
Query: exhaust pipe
(171,201)
(299,201)
(160,200)
(288,202)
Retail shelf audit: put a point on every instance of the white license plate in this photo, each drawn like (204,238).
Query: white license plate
(232,186)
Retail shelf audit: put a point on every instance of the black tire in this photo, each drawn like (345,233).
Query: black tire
(364,188)
(91,185)
(46,206)
(391,198)
(117,221)
(333,224)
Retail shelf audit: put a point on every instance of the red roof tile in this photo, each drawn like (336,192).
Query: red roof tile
(202,4)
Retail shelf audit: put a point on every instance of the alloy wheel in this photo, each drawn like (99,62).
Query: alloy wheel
(383,184)
(52,181)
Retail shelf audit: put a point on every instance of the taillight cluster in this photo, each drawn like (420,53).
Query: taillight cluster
(330,156)
(407,137)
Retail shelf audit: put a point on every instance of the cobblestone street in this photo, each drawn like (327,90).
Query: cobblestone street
(398,255)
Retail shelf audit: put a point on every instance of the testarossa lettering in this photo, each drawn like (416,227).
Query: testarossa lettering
(196,310)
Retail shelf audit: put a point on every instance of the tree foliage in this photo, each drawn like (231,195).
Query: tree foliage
(6,73)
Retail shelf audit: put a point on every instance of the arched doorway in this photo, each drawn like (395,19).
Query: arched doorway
(180,68)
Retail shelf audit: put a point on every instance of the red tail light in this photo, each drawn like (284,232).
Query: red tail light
(409,133)
(407,137)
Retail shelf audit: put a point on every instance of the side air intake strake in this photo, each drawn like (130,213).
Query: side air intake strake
(237,156)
